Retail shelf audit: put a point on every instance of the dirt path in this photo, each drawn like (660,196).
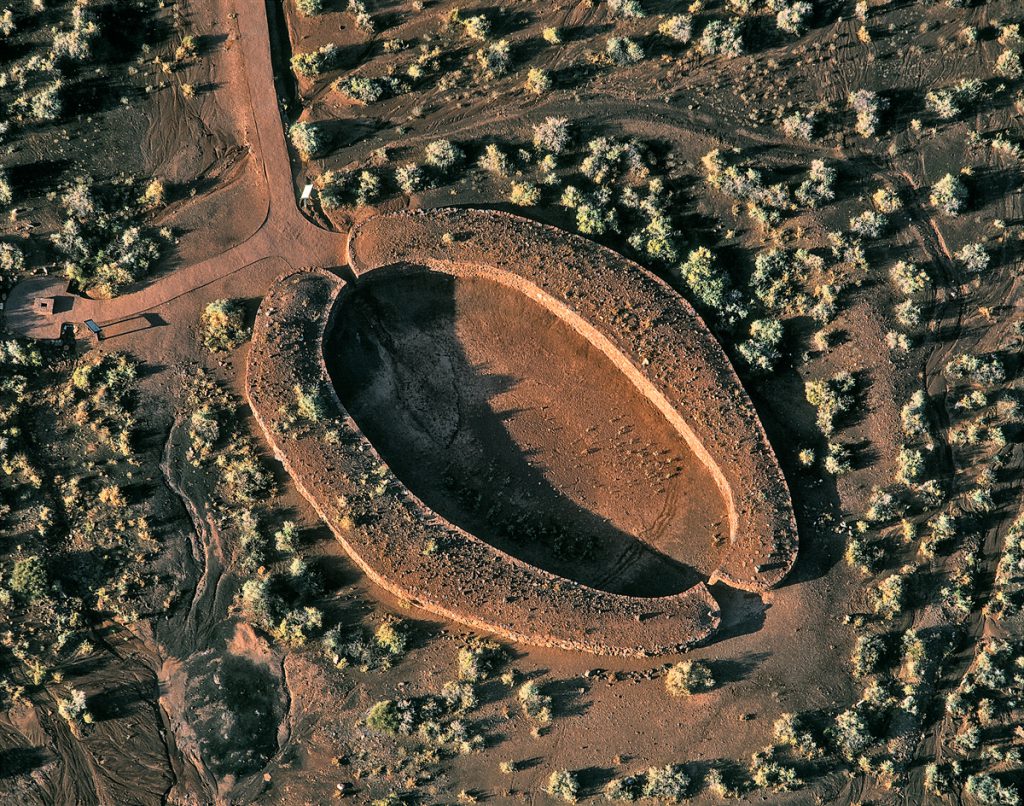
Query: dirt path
(285,231)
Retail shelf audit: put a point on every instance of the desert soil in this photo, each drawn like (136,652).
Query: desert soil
(508,423)
(782,651)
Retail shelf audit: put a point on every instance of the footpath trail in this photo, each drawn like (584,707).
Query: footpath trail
(285,231)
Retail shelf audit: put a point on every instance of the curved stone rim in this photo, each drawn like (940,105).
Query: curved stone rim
(763,539)
(516,601)
(470,581)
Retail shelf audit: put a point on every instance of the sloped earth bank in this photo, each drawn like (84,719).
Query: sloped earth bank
(409,550)
(645,331)
(505,421)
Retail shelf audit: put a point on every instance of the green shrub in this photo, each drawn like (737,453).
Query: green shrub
(252,543)
(948,102)
(669,784)
(338,189)
(223,325)
(187,49)
(410,178)
(778,277)
(73,707)
(495,59)
(6,196)
(103,244)
(893,592)
(393,636)
(46,105)
(852,731)
(298,626)
(769,773)
(973,257)
(704,279)
(476,27)
(495,161)
(316,62)
(862,554)
(259,606)
(621,50)
(369,90)
(1008,65)
(310,8)
(793,18)
(869,224)
(943,778)
(363,19)
(538,81)
(478,660)
(689,677)
(761,350)
(626,9)
(818,188)
(678,28)
(887,200)
(989,790)
(867,105)
(286,537)
(883,507)
(243,478)
(868,653)
(12,260)
(564,785)
(909,466)
(722,38)
(725,786)
(536,704)
(949,195)
(628,788)
(832,398)
(29,579)
(908,278)
(553,135)
(790,729)
(524,194)
(800,125)
(982,370)
(309,139)
(443,155)
(385,717)
(309,404)
(20,353)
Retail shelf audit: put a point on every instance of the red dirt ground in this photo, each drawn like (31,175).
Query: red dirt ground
(785,650)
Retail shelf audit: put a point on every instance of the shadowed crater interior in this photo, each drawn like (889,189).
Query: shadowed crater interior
(506,421)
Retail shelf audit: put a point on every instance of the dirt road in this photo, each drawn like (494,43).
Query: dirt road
(285,231)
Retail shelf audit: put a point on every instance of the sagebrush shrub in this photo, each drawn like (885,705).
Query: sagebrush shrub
(678,28)
(443,155)
(223,325)
(553,135)
(689,677)
(722,38)
(309,139)
(310,8)
(949,195)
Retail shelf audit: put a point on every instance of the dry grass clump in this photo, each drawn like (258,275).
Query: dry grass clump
(689,677)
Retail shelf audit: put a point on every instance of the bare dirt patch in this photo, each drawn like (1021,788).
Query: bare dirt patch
(506,421)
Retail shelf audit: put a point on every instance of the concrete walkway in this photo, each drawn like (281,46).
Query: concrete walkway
(285,232)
